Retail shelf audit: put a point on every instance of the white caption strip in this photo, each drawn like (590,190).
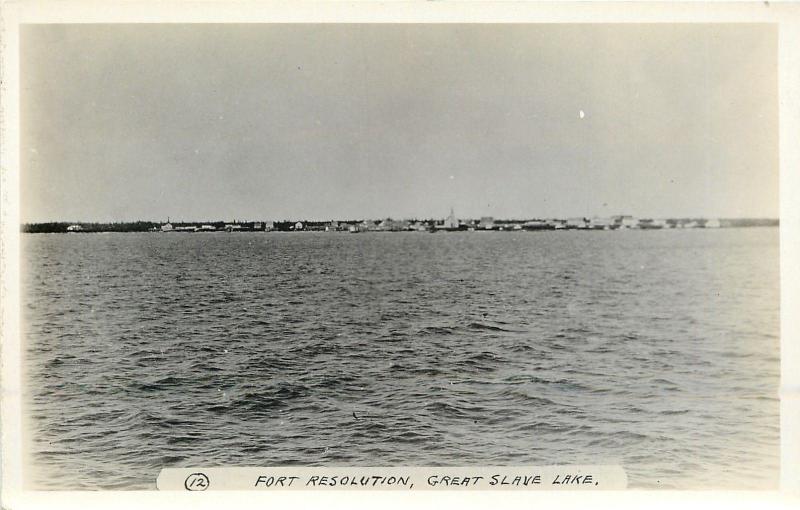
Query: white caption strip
(394,478)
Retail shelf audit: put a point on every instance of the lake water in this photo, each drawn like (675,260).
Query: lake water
(656,350)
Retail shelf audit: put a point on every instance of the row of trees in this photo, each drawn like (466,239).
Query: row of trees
(55,227)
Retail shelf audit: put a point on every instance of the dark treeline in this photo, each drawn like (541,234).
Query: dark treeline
(55,227)
(122,226)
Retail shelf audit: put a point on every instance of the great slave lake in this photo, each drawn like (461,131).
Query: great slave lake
(655,350)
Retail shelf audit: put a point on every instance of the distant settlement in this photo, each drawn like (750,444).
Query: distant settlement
(449,224)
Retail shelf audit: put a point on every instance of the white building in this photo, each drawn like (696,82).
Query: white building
(629,222)
(601,223)
(451,222)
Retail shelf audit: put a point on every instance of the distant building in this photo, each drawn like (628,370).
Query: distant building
(647,223)
(391,225)
(74,228)
(298,225)
(207,228)
(626,221)
(577,223)
(601,223)
(487,223)
(536,225)
(167,227)
(367,226)
(450,223)
(713,223)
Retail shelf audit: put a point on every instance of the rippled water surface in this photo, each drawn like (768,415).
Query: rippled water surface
(657,350)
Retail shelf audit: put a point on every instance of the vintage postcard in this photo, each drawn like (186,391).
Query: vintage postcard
(410,248)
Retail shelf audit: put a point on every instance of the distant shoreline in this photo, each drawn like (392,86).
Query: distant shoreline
(389,225)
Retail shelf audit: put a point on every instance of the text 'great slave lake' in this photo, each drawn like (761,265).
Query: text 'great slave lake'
(602,477)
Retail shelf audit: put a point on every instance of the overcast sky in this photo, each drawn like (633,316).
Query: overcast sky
(193,122)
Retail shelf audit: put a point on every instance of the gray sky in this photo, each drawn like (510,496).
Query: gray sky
(124,122)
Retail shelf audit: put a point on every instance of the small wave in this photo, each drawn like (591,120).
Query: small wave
(521,347)
(159,384)
(520,396)
(335,381)
(489,327)
(171,460)
(446,409)
(484,361)
(564,384)
(183,439)
(664,381)
(206,367)
(600,350)
(437,330)
(616,438)
(410,437)
(541,426)
(393,336)
(283,395)
(429,371)
(580,330)
(328,347)
(218,409)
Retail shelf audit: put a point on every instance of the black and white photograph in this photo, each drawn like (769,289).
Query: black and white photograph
(350,245)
